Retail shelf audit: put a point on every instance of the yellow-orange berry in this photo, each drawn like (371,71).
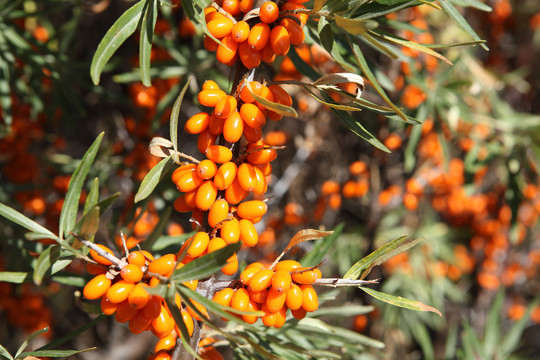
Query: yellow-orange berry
(310,300)
(132,273)
(305,277)
(225,175)
(152,308)
(163,324)
(246,176)
(259,36)
(294,297)
(251,209)
(188,321)
(100,259)
(205,139)
(107,307)
(231,267)
(299,313)
(281,317)
(269,318)
(210,85)
(230,231)
(248,273)
(200,308)
(267,53)
(246,5)
(240,299)
(280,40)
(206,169)
(218,212)
(269,12)
(198,244)
(216,124)
(124,312)
(210,97)
(245,96)
(96,287)
(275,300)
(216,244)
(287,265)
(95,269)
(260,155)
(252,115)
(240,31)
(220,27)
(139,323)
(219,154)
(197,123)
(227,51)
(226,106)
(234,193)
(258,296)
(223,297)
(138,296)
(164,265)
(296,33)
(252,306)
(250,57)
(189,181)
(252,134)
(248,233)
(233,128)
(261,280)
(181,170)
(281,280)
(166,343)
(206,195)
(119,291)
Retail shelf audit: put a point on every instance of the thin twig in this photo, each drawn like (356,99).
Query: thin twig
(116,261)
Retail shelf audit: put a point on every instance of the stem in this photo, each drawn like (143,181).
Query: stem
(116,261)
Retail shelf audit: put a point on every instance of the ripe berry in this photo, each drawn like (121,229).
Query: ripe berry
(245,96)
(263,156)
(251,134)
(226,106)
(181,171)
(287,265)
(233,128)
(167,343)
(206,195)
(252,306)
(294,297)
(198,244)
(152,308)
(225,175)
(132,273)
(281,281)
(250,57)
(281,317)
(119,291)
(280,40)
(296,33)
(216,124)
(197,123)
(310,301)
(231,267)
(210,97)
(299,314)
(240,299)
(210,44)
(261,280)
(218,212)
(269,318)
(188,321)
(240,31)
(220,27)
(248,233)
(163,324)
(107,307)
(189,181)
(205,139)
(138,296)
(234,193)
(96,287)
(258,296)
(248,273)
(306,277)
(223,297)
(275,300)
(259,36)
(139,323)
(246,176)
(100,259)
(219,154)
(164,265)
(252,209)
(230,231)
(267,53)
(209,85)
(95,269)
(252,116)
(206,169)
(124,312)
(226,52)
(269,12)
(216,244)
(246,5)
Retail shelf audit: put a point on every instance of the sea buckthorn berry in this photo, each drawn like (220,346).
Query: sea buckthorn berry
(95,269)
(245,96)
(259,36)
(210,85)
(281,281)
(258,296)
(107,307)
(181,171)
(275,300)
(211,97)
(261,280)
(250,57)
(225,175)
(281,317)
(152,308)
(266,168)
(206,195)
(216,244)
(226,106)
(140,257)
(96,287)
(280,95)
(296,33)
(190,199)
(198,244)
(138,296)
(209,44)
(299,314)
(294,297)
(305,277)
(220,27)
(262,156)
(233,128)
(310,301)
(261,185)
(232,7)
(252,115)
(206,169)
(188,321)
(248,273)
(266,94)
(161,355)
(230,231)
(164,265)
(167,343)
(234,193)
(248,233)
(269,318)
(252,306)
(291,5)
(218,212)
(269,12)
(226,52)
(219,154)
(223,297)
(287,265)
(100,259)
(246,5)
(139,323)
(124,312)
(197,123)
(246,176)
(231,267)
(132,273)
(357,168)
(240,31)
(181,206)
(280,40)
(240,299)
(208,11)
(252,134)
(267,54)
(252,209)
(119,291)
(205,140)
(163,324)
(216,124)
(189,181)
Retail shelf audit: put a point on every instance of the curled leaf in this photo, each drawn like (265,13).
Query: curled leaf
(331,80)
(307,235)
(160,147)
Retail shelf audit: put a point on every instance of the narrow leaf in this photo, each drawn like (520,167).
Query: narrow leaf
(73,334)
(400,301)
(460,20)
(87,226)
(5,353)
(5,88)
(148,24)
(114,38)
(19,219)
(29,339)
(175,112)
(93,196)
(46,259)
(205,265)
(15,277)
(355,26)
(307,235)
(55,353)
(68,216)
(152,179)
(270,105)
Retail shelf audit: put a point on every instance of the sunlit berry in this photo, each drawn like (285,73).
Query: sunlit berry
(251,209)
(100,259)
(96,287)
(259,36)
(119,291)
(310,300)
(261,280)
(219,154)
(268,12)
(248,233)
(294,297)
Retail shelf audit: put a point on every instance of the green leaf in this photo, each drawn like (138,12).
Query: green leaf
(68,216)
(19,219)
(46,259)
(177,316)
(205,265)
(460,21)
(29,339)
(148,24)
(321,247)
(73,334)
(343,311)
(5,88)
(90,223)
(93,196)
(270,105)
(492,328)
(15,277)
(400,301)
(158,229)
(5,353)
(175,112)
(154,176)
(355,26)
(54,353)
(123,28)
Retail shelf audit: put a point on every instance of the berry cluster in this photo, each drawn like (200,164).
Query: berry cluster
(273,291)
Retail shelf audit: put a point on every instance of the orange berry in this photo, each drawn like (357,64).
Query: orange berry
(293,6)
(226,52)
(296,33)
(219,154)
(252,209)
(305,277)
(181,171)
(132,273)
(280,40)
(266,94)
(269,12)
(107,307)
(357,168)
(198,244)
(252,115)
(216,124)
(199,307)
(258,296)
(211,97)
(287,265)
(245,96)
(261,280)
(234,193)
(95,269)
(259,36)
(248,273)
(275,300)
(96,287)
(206,169)
(240,299)
(281,317)
(205,140)
(163,266)
(246,176)
(231,267)
(240,31)
(310,301)
(216,244)
(209,11)
(100,259)
(269,318)
(252,134)
(230,231)
(180,205)
(140,257)
(265,168)
(152,308)
(190,198)
(197,123)
(210,85)
(294,297)
(223,297)
(206,195)
(246,5)
(119,291)
(267,53)
(260,182)
(299,314)
(280,95)
(163,324)
(225,175)
(138,296)
(167,343)
(220,27)
(139,323)
(248,233)
(231,6)
(226,106)
(250,57)
(218,212)
(189,181)
(233,127)
(124,312)
(209,44)
(258,155)
(252,306)
(161,355)
(188,321)
(281,281)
